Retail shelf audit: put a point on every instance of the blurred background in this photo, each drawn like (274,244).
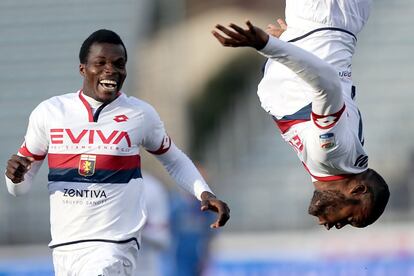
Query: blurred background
(206,96)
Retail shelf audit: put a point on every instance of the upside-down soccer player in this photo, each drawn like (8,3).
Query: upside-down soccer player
(92,139)
(308,90)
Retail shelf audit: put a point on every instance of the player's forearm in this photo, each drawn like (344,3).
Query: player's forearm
(183,171)
(18,188)
(313,70)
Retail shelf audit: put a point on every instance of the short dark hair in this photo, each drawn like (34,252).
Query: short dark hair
(99,36)
(379,192)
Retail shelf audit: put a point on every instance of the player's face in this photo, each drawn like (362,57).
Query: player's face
(334,209)
(104,71)
(349,214)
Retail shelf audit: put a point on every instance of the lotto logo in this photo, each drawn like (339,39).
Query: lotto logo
(325,122)
(120,118)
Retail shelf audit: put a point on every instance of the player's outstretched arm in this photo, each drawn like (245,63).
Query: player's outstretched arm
(186,175)
(210,202)
(181,168)
(238,37)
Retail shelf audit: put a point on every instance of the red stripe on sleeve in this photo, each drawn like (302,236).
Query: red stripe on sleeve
(25,152)
(165,146)
(285,125)
(327,121)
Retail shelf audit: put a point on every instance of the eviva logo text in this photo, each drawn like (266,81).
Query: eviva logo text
(88,136)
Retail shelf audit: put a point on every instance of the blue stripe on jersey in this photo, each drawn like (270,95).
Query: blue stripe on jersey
(312,32)
(302,114)
(360,129)
(96,240)
(323,29)
(100,176)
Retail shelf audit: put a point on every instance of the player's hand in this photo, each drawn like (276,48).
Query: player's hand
(238,37)
(17,167)
(210,202)
(275,30)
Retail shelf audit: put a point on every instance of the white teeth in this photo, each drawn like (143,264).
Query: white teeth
(108,82)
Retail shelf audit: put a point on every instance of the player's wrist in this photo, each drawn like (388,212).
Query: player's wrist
(207,195)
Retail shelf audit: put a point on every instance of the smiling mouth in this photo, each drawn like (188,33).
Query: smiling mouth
(109,85)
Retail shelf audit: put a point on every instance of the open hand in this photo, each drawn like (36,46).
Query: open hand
(210,202)
(238,37)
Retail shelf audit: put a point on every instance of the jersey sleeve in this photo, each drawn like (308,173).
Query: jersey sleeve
(36,141)
(177,163)
(156,139)
(183,171)
(36,146)
(320,75)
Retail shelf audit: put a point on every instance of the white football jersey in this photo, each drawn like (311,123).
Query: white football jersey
(330,147)
(95,181)
(309,69)
(325,28)
(308,15)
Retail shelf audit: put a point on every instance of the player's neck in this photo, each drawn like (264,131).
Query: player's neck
(332,185)
(92,101)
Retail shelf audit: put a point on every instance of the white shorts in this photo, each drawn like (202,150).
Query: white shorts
(96,259)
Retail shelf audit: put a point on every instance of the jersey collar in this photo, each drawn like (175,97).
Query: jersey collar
(94,117)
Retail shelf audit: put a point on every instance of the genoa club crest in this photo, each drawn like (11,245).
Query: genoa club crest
(87,165)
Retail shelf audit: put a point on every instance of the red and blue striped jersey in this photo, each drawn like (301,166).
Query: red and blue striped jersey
(95,181)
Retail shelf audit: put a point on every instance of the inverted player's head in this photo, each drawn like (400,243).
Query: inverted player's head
(103,58)
(358,201)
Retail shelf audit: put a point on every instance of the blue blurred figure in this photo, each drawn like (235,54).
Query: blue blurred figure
(191,235)
(156,236)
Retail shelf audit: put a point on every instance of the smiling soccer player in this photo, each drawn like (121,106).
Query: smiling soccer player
(92,139)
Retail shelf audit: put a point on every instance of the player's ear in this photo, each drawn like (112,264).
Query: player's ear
(82,69)
(359,189)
